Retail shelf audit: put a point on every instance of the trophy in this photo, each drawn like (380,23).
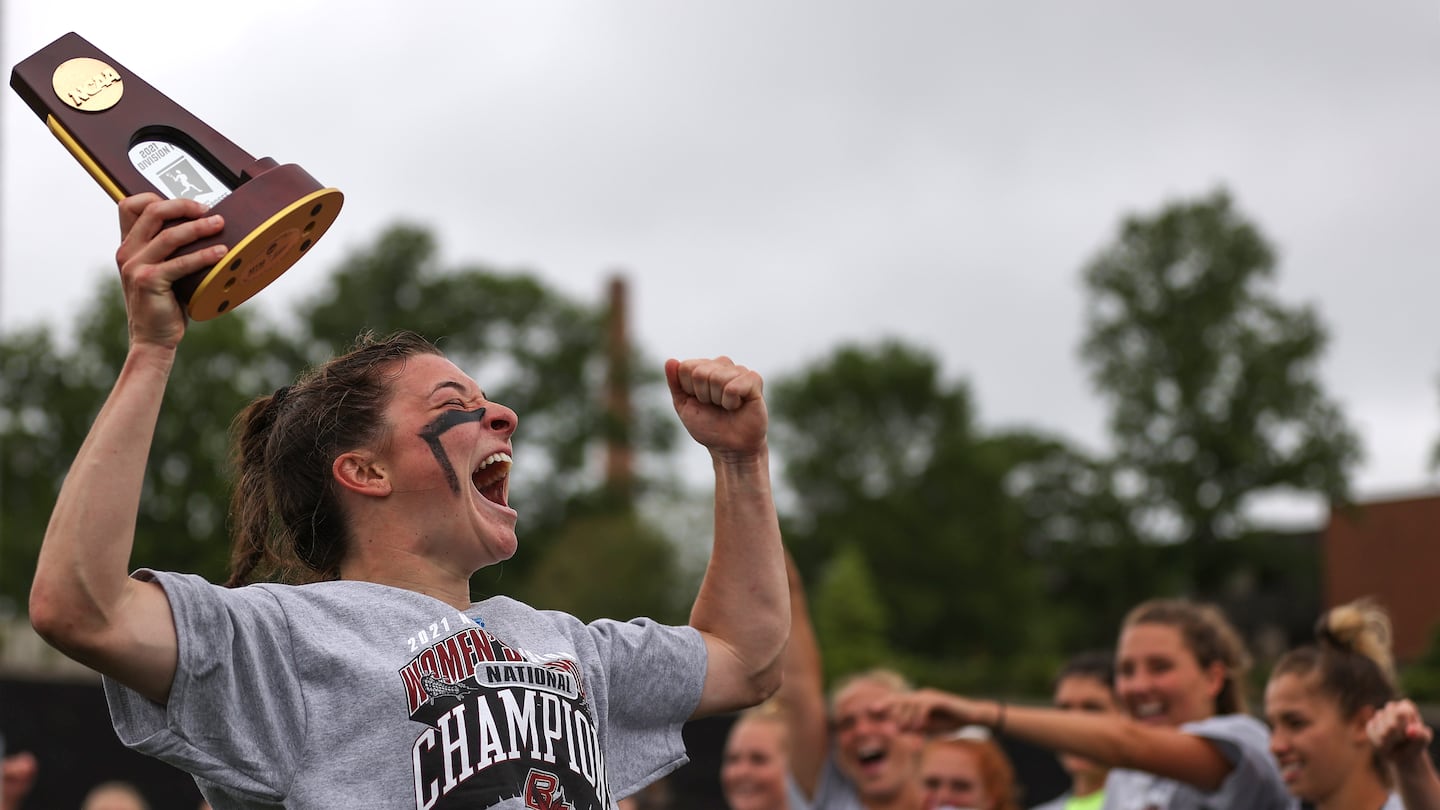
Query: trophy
(132,139)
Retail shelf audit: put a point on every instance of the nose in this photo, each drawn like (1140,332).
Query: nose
(1278,743)
(1136,683)
(500,418)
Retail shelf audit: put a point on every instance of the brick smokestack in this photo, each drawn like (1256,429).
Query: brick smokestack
(619,454)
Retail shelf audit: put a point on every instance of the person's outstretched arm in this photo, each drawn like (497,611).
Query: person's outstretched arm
(1109,739)
(83,600)
(1403,740)
(743,608)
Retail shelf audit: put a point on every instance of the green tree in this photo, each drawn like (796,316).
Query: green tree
(850,616)
(1078,530)
(42,399)
(50,397)
(532,348)
(1213,383)
(883,458)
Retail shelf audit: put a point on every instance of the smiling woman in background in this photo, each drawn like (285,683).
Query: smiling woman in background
(1326,700)
(1187,742)
(755,772)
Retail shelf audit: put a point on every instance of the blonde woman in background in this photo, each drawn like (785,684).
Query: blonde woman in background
(755,771)
(1319,702)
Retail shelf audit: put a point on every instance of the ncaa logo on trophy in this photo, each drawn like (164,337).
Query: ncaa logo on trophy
(132,139)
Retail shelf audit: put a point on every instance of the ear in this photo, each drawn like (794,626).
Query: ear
(360,474)
(1215,679)
(1358,724)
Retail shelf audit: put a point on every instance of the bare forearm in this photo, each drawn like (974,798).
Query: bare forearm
(1417,782)
(1118,742)
(744,600)
(82,572)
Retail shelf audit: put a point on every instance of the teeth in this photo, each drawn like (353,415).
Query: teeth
(494,457)
(869,754)
(1144,710)
(493,469)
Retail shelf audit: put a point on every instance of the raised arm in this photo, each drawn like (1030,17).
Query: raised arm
(83,600)
(743,608)
(1401,736)
(802,695)
(1109,739)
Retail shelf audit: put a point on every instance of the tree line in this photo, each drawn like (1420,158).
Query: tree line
(970,558)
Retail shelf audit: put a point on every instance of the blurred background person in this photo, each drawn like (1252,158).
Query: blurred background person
(1187,740)
(966,771)
(114,796)
(1086,683)
(17,776)
(874,762)
(755,770)
(1319,702)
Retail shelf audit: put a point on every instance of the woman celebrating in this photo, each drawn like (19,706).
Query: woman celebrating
(382,479)
(1186,741)
(1321,701)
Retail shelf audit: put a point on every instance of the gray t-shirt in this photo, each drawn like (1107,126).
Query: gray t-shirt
(1254,782)
(353,694)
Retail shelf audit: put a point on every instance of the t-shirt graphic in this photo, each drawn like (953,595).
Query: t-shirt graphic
(501,723)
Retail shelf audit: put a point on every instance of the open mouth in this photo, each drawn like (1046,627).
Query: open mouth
(1149,711)
(870,758)
(492,478)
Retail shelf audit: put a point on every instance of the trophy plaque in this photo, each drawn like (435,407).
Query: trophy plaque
(133,139)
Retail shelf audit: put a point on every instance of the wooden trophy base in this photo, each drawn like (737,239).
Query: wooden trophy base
(271,220)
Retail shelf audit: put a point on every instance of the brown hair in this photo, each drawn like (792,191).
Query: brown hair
(1351,660)
(1209,636)
(995,769)
(285,510)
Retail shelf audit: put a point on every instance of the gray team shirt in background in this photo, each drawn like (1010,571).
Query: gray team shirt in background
(352,694)
(1254,782)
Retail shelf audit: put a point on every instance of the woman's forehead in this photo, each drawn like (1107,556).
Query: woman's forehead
(1151,637)
(424,373)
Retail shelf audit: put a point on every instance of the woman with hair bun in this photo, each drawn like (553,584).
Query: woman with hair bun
(1186,741)
(1321,702)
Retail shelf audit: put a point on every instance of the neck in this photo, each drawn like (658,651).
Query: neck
(907,798)
(399,568)
(1088,782)
(1363,792)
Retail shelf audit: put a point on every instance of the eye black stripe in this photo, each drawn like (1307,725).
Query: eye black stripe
(432,432)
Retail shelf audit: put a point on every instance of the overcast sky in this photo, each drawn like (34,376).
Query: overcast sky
(776,178)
